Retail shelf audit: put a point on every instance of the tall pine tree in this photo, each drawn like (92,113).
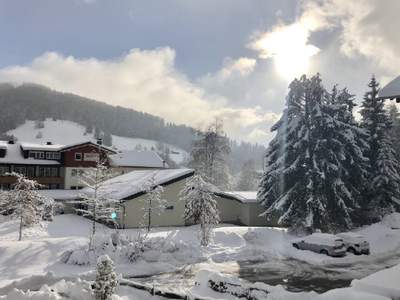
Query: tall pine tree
(384,192)
(307,183)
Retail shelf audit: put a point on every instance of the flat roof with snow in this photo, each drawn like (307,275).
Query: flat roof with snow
(241,196)
(131,185)
(14,156)
(136,158)
(41,147)
(60,194)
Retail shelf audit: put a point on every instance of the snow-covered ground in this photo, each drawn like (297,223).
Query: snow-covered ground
(237,250)
(66,132)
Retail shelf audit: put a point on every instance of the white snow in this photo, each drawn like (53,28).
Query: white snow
(67,133)
(391,90)
(242,196)
(134,182)
(37,255)
(41,147)
(60,194)
(14,156)
(136,158)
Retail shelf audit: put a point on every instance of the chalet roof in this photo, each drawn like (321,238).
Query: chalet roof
(14,156)
(131,185)
(391,90)
(81,144)
(241,196)
(136,158)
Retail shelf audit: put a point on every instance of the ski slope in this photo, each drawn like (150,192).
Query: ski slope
(66,132)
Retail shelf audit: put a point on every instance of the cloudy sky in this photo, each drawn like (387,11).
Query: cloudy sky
(190,60)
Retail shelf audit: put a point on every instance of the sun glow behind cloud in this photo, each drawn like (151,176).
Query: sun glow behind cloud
(287,45)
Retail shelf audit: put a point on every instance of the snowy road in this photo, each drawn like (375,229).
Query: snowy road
(294,274)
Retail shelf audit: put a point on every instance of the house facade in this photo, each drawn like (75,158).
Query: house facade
(61,166)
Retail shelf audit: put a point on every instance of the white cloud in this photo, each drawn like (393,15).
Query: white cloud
(256,133)
(368,29)
(143,80)
(232,69)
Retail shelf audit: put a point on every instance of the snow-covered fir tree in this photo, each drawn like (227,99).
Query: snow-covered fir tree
(210,156)
(23,202)
(153,201)
(394,117)
(95,203)
(200,206)
(106,279)
(384,193)
(107,139)
(306,184)
(48,209)
(248,178)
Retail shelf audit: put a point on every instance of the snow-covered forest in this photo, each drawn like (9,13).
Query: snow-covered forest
(324,169)
(36,102)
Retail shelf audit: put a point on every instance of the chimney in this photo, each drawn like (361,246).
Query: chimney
(163,164)
(49,143)
(11,142)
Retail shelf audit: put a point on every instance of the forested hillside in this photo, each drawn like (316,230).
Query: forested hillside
(35,102)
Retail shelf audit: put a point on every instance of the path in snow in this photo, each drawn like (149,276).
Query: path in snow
(293,274)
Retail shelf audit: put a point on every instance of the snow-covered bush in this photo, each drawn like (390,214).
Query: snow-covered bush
(106,279)
(23,202)
(58,208)
(39,135)
(48,209)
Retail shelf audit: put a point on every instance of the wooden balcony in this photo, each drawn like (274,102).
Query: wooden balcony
(41,180)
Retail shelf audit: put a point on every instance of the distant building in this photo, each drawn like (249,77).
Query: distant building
(60,166)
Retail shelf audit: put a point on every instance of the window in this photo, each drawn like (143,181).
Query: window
(3,186)
(45,187)
(4,170)
(53,186)
(78,156)
(36,154)
(80,187)
(53,155)
(77,172)
(73,187)
(169,208)
(31,172)
(54,172)
(20,170)
(47,172)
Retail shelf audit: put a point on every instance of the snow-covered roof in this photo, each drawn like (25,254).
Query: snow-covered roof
(391,90)
(74,145)
(241,196)
(60,194)
(14,156)
(41,147)
(130,185)
(135,158)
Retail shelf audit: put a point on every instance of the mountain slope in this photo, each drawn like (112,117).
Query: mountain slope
(66,132)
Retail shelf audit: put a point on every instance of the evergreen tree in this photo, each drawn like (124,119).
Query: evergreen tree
(394,117)
(200,206)
(107,138)
(210,156)
(248,178)
(307,181)
(89,128)
(106,279)
(384,192)
(97,133)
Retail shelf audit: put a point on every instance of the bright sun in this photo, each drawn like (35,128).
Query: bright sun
(288,46)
